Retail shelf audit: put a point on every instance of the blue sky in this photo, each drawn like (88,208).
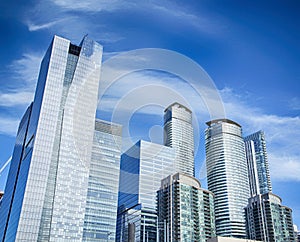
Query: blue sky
(249,48)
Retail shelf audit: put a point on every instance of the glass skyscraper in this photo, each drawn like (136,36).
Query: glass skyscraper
(143,167)
(227,176)
(185,210)
(103,184)
(45,195)
(267,219)
(179,134)
(258,166)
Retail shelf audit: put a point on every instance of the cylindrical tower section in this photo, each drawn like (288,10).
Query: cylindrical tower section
(227,176)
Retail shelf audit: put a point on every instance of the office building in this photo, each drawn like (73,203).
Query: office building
(143,167)
(45,195)
(179,134)
(185,210)
(103,183)
(227,176)
(258,166)
(268,220)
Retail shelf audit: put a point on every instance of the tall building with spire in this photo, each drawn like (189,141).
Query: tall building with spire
(45,195)
(227,176)
(179,134)
(258,165)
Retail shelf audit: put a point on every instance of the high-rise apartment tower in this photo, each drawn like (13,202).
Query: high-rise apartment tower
(227,176)
(185,210)
(179,134)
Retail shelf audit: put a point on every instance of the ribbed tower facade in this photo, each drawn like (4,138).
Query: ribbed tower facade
(258,166)
(179,134)
(227,176)
(45,195)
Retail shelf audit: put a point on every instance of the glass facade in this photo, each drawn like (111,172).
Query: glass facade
(102,196)
(227,176)
(179,134)
(51,180)
(268,220)
(258,166)
(142,168)
(185,211)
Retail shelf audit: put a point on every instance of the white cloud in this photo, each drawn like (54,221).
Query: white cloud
(282,134)
(15,98)
(35,27)
(294,104)
(284,167)
(8,126)
(26,69)
(143,88)
(91,5)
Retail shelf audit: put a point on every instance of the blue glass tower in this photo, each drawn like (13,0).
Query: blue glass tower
(142,168)
(45,195)
(258,165)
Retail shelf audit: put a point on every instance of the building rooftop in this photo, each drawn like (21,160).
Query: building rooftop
(222,120)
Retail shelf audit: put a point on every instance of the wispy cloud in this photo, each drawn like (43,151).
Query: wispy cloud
(26,69)
(294,104)
(91,5)
(8,126)
(282,134)
(142,89)
(35,27)
(16,98)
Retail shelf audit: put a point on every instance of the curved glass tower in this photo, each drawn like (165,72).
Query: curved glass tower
(227,176)
(179,135)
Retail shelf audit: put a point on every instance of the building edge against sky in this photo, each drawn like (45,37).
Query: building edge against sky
(53,149)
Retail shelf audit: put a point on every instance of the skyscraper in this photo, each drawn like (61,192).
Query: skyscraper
(179,134)
(103,184)
(268,220)
(45,195)
(143,167)
(227,176)
(258,166)
(185,210)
